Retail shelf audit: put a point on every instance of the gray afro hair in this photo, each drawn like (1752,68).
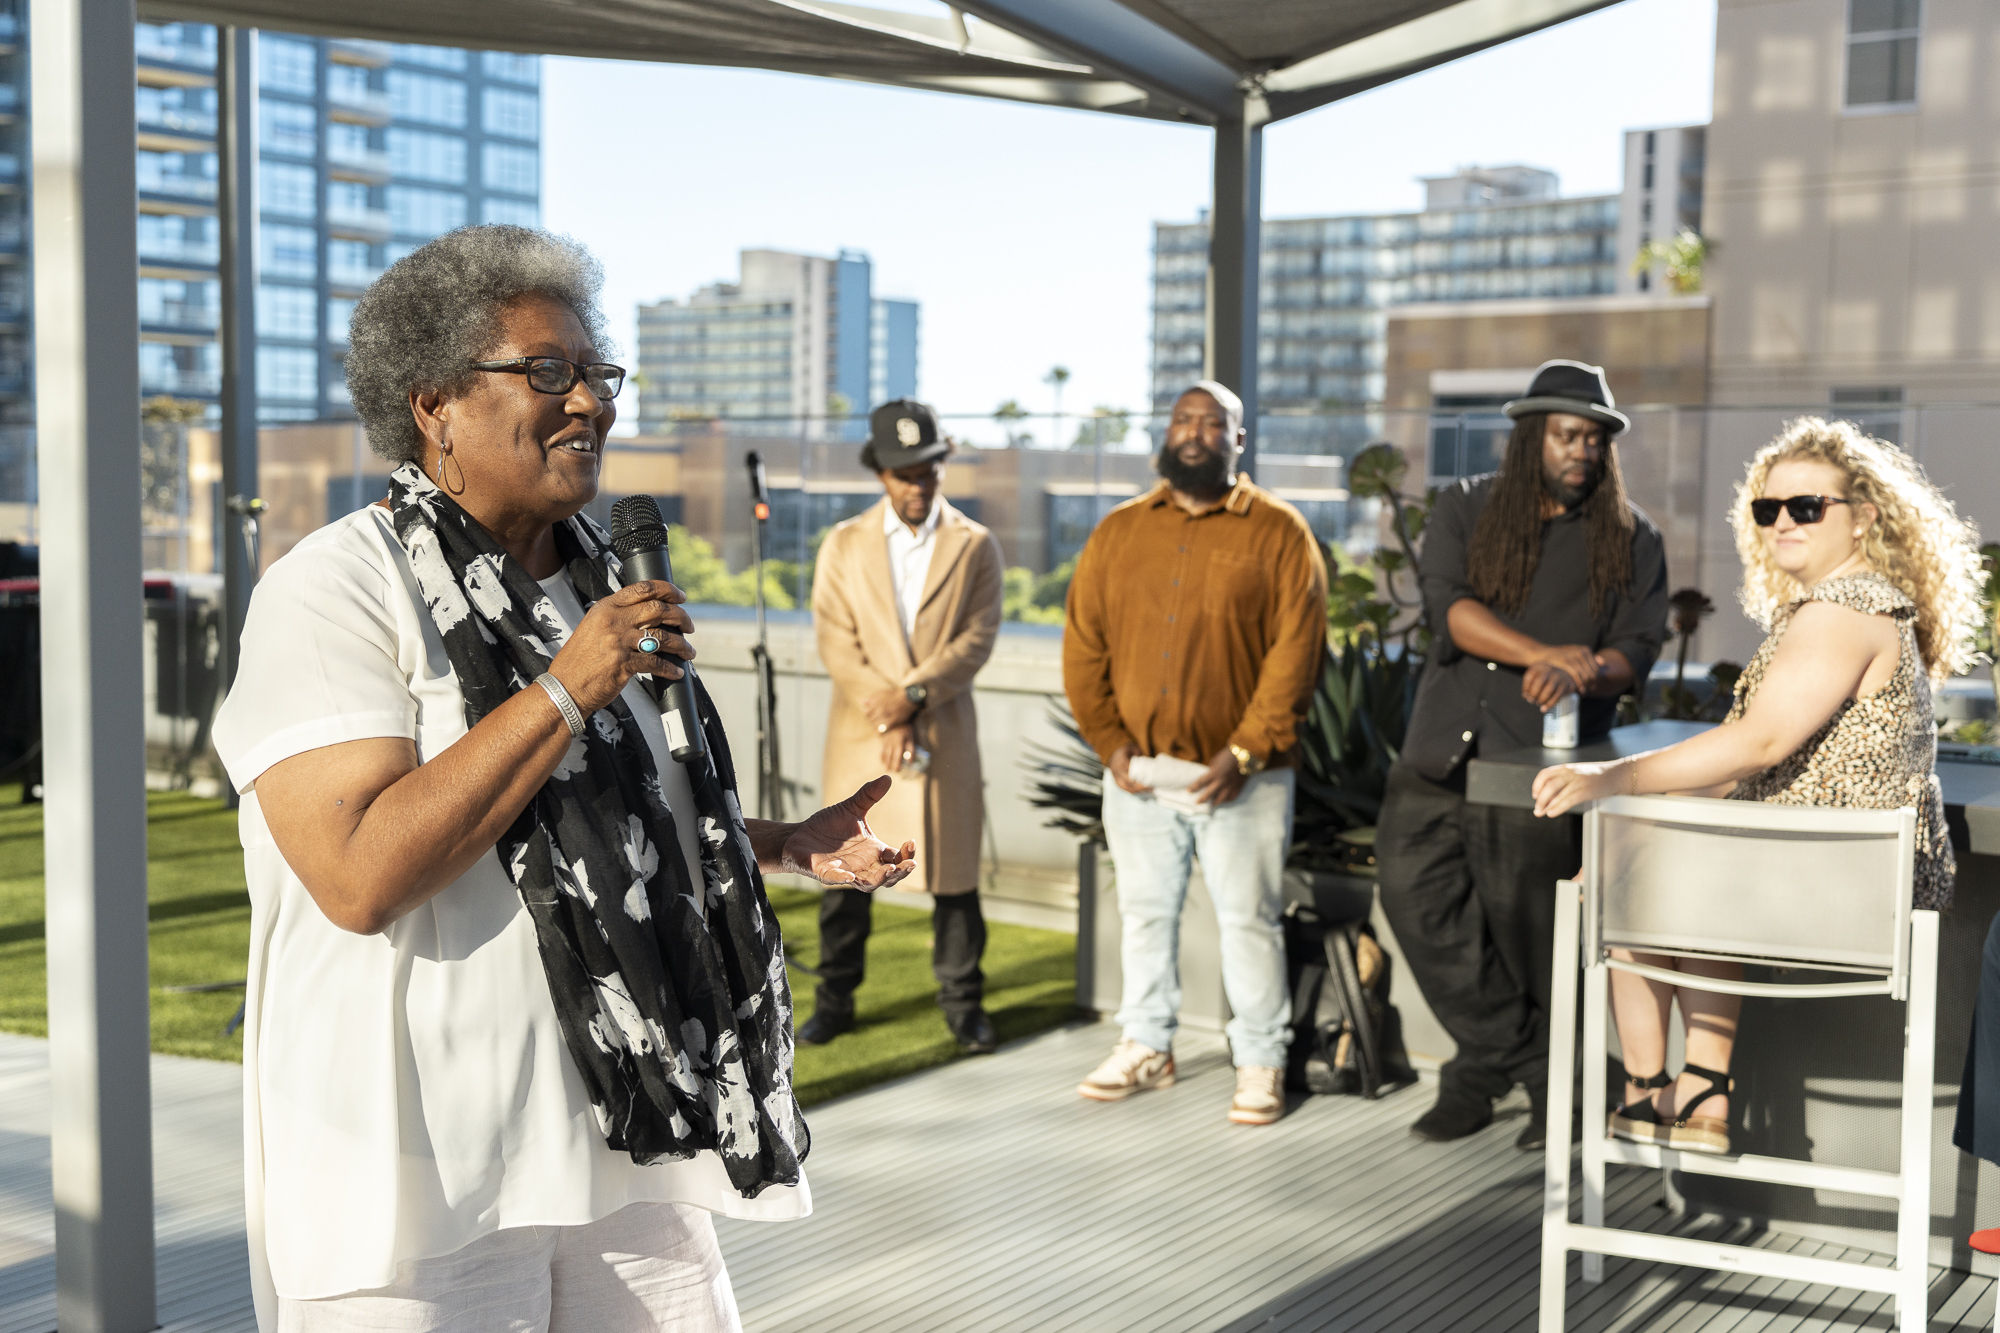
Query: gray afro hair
(437,310)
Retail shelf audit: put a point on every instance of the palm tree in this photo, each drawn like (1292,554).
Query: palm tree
(1007,414)
(1057,376)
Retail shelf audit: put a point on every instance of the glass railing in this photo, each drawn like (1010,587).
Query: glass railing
(372,220)
(352,275)
(176,120)
(371,102)
(371,160)
(176,380)
(176,43)
(293,143)
(181,315)
(176,186)
(360,51)
(175,249)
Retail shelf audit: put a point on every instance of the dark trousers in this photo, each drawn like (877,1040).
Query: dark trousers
(958,940)
(1470,891)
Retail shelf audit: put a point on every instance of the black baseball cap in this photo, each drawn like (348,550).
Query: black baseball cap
(902,433)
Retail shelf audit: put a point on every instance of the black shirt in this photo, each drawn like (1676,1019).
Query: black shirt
(1465,702)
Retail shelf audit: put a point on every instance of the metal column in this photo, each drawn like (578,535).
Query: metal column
(1235,233)
(236,216)
(93,630)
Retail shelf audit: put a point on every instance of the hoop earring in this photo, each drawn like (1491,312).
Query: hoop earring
(455,490)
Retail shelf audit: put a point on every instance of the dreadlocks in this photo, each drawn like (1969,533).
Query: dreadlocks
(1507,540)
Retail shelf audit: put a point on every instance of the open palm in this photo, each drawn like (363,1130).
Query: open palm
(836,847)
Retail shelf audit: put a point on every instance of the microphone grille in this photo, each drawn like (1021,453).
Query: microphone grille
(636,525)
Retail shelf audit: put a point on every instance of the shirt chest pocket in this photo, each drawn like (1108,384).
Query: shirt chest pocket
(1231,581)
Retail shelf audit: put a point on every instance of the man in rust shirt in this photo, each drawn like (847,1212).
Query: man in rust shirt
(1196,620)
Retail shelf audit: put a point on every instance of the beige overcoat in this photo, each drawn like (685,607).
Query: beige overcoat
(861,644)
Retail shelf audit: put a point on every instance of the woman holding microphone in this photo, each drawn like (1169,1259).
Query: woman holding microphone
(517,1017)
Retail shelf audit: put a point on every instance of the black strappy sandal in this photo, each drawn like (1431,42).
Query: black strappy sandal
(1639,1121)
(1702,1133)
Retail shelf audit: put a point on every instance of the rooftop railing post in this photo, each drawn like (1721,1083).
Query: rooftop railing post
(87,399)
(1235,232)
(236,216)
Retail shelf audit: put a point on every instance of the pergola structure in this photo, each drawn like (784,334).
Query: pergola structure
(1234,65)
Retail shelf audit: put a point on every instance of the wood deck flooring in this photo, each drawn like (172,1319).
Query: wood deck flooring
(985,1197)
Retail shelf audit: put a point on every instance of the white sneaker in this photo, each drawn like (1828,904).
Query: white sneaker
(1260,1095)
(1129,1068)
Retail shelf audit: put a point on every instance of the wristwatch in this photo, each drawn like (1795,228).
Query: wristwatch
(1249,765)
(917,695)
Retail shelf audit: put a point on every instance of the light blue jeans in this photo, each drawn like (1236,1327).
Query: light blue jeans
(1242,848)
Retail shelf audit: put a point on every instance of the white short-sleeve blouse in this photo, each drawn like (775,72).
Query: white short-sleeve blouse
(408,1092)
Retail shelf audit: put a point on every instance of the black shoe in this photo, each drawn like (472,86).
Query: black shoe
(825,1025)
(974,1031)
(1535,1134)
(1456,1115)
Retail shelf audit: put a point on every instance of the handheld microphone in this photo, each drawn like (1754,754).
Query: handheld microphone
(639,538)
(760,490)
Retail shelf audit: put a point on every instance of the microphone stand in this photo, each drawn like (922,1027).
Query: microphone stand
(770,783)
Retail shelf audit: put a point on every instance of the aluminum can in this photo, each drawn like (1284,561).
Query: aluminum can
(1559,724)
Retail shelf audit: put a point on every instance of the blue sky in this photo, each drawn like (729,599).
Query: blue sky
(1026,232)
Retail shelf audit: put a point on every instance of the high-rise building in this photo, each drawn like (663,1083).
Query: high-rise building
(1484,234)
(366,150)
(795,340)
(1662,195)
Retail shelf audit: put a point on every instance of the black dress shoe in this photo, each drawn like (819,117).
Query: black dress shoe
(1456,1115)
(973,1031)
(825,1025)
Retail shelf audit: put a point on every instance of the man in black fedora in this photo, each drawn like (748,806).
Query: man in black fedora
(1541,581)
(906,605)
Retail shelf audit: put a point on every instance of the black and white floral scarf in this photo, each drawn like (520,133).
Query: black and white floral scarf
(679,1020)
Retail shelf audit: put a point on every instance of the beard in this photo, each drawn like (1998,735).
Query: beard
(1204,480)
(1569,497)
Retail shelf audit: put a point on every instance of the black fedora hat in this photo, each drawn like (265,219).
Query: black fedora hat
(902,433)
(1572,387)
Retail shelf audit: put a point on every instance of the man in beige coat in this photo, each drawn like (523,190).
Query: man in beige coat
(906,602)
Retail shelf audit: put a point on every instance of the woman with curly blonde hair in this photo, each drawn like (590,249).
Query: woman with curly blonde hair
(1867,582)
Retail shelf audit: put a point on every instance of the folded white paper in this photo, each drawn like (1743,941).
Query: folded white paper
(1170,779)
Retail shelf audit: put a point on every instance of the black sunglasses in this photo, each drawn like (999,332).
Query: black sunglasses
(552,374)
(1804,509)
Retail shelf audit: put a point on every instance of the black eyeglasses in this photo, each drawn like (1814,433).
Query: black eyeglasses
(1804,509)
(552,374)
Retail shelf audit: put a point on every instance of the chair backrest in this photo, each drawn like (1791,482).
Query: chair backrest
(1784,884)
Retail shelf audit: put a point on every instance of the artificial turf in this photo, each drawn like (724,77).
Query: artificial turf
(199,914)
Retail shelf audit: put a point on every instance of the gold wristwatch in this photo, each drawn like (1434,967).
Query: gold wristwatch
(1249,765)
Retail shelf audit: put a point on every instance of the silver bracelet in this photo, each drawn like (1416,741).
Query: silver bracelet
(572,715)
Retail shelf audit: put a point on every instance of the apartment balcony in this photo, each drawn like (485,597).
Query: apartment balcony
(358,224)
(352,277)
(176,121)
(368,165)
(158,44)
(172,185)
(356,51)
(182,315)
(180,382)
(358,106)
(174,250)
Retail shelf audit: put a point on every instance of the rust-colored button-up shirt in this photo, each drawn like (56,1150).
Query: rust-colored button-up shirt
(1190,632)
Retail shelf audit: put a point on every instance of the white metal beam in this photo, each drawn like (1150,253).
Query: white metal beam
(1124,45)
(93,728)
(1408,48)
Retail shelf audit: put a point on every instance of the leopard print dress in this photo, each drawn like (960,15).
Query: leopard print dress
(1876,753)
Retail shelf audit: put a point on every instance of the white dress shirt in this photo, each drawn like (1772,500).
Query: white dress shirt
(910,560)
(407,1092)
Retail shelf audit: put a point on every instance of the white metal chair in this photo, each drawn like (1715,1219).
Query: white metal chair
(1814,888)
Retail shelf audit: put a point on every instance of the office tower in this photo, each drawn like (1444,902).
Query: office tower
(1484,234)
(1662,195)
(797,339)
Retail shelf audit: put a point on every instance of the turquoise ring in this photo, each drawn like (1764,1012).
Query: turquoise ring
(649,644)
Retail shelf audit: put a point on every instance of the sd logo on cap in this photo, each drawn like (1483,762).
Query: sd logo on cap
(902,433)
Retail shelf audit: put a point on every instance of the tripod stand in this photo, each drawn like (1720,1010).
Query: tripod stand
(770,782)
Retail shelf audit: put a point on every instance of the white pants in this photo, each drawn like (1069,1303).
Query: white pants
(647,1268)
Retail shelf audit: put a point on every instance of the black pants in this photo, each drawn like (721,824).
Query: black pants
(1470,891)
(958,933)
